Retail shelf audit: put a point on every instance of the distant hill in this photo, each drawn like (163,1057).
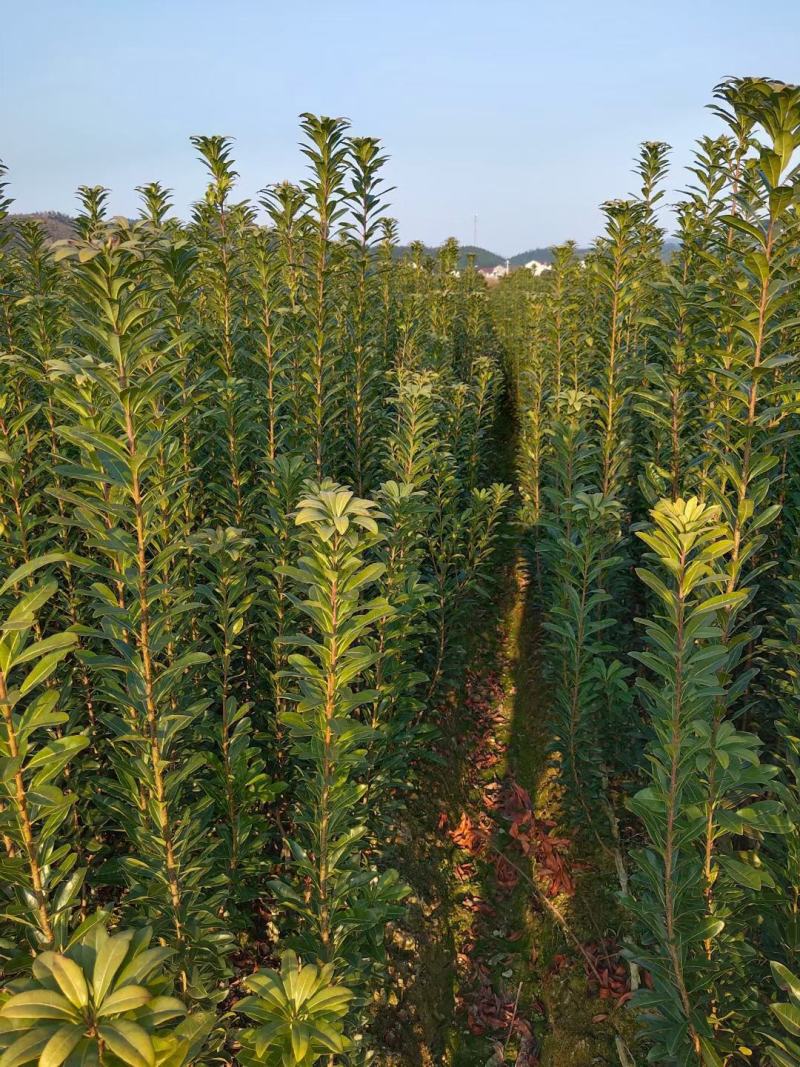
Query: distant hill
(486,258)
(483,257)
(545,255)
(60,226)
(57,225)
(541,255)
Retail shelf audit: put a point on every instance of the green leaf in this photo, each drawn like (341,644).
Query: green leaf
(130,1042)
(60,1045)
(789,1017)
(785,980)
(300,1042)
(42,671)
(39,1004)
(128,998)
(111,953)
(57,750)
(30,568)
(745,875)
(27,1048)
(70,980)
(50,644)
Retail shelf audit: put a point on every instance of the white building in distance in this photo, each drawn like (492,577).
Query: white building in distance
(494,274)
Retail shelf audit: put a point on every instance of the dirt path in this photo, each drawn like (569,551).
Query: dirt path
(508,954)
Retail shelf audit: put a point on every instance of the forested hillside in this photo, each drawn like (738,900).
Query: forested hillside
(56,225)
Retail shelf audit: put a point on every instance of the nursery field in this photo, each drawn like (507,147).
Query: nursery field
(395,670)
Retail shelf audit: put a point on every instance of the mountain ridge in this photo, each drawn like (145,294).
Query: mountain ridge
(484,257)
(59,226)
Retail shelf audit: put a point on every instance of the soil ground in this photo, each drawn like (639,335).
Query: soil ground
(509,951)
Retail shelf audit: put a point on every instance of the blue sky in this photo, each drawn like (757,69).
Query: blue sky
(527,114)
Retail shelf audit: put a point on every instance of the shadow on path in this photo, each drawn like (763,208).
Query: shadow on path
(482,967)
